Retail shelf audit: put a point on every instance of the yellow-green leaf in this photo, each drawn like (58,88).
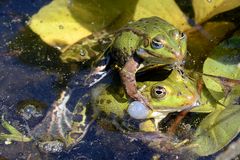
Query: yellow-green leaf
(55,25)
(166,9)
(205,9)
(216,130)
(224,62)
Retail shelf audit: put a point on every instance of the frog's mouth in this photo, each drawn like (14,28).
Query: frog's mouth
(195,103)
(156,113)
(153,58)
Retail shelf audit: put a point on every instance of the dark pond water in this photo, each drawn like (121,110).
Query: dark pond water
(38,79)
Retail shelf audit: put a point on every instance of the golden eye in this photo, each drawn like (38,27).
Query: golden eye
(158,92)
(157,42)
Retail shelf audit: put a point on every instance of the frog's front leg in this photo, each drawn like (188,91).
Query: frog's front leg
(127,74)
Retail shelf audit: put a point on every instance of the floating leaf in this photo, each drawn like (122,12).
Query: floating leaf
(55,25)
(234,96)
(162,8)
(223,64)
(205,9)
(216,130)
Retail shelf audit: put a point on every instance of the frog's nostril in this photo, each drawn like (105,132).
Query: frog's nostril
(177,53)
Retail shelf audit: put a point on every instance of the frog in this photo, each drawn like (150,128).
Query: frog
(175,93)
(139,45)
(88,48)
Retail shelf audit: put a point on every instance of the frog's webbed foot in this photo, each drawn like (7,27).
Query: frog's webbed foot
(127,74)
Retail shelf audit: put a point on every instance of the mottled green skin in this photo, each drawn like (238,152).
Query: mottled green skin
(181,94)
(88,48)
(140,34)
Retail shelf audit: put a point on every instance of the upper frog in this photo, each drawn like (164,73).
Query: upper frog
(152,39)
(146,42)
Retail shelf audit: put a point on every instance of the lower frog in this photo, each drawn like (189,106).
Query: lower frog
(175,93)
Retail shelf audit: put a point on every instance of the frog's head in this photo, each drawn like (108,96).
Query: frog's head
(77,53)
(175,93)
(162,42)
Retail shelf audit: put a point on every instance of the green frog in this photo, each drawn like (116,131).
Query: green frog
(138,45)
(175,93)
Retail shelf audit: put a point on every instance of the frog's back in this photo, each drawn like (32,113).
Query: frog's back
(151,25)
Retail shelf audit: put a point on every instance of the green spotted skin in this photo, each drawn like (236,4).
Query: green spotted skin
(141,37)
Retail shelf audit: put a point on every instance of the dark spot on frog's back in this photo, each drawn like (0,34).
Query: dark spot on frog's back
(179,93)
(91,37)
(101,101)
(79,109)
(75,135)
(236,101)
(77,118)
(108,101)
(81,127)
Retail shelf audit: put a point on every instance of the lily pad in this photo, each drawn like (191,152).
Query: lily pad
(206,9)
(55,25)
(216,130)
(223,65)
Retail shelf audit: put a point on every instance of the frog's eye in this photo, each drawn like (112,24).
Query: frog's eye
(157,43)
(158,92)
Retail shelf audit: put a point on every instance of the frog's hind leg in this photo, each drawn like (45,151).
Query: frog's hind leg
(80,125)
(57,123)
